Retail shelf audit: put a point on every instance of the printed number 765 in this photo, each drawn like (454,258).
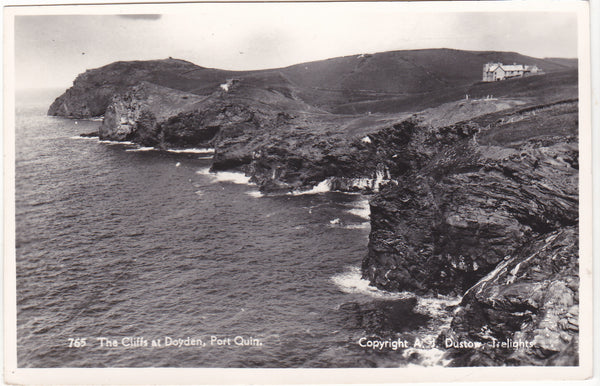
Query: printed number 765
(77,342)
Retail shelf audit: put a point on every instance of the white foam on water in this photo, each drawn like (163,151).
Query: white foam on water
(208,152)
(351,282)
(233,177)
(429,357)
(143,148)
(380,177)
(362,225)
(80,137)
(358,183)
(323,187)
(362,209)
(116,142)
(437,309)
(255,194)
(436,306)
(193,150)
(236,178)
(335,221)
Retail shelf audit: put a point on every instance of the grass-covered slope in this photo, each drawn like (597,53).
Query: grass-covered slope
(382,82)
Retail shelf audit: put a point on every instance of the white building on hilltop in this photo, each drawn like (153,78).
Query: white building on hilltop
(498,71)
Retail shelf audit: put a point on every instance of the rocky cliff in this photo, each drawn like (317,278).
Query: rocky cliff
(474,193)
(526,311)
(93,90)
(137,113)
(489,209)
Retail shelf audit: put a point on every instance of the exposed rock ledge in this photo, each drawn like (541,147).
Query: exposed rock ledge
(533,297)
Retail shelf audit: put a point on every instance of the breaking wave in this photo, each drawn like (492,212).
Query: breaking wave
(362,225)
(437,308)
(208,152)
(82,137)
(255,194)
(362,209)
(193,151)
(233,177)
(323,187)
(351,282)
(141,149)
(117,142)
(348,185)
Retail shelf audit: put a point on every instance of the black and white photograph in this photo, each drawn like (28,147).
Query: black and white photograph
(295,186)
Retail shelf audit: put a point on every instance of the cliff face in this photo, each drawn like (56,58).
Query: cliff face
(473,196)
(79,102)
(138,113)
(300,158)
(489,209)
(152,115)
(93,91)
(531,296)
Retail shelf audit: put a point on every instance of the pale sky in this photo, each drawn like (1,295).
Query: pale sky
(50,50)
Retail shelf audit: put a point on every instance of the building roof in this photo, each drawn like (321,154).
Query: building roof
(513,67)
(506,67)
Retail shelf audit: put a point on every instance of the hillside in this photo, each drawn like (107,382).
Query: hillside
(535,89)
(383,82)
(568,62)
(413,71)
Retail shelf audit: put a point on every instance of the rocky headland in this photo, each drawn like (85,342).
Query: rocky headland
(473,197)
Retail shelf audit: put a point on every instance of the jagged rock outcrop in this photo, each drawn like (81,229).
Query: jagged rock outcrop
(524,312)
(79,102)
(299,160)
(489,209)
(137,113)
(461,207)
(152,115)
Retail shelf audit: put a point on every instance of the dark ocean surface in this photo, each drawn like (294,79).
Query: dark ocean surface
(130,245)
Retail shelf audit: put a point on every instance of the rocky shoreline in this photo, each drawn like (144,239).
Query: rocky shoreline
(481,204)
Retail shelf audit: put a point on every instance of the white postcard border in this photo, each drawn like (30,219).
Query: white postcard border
(13,374)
